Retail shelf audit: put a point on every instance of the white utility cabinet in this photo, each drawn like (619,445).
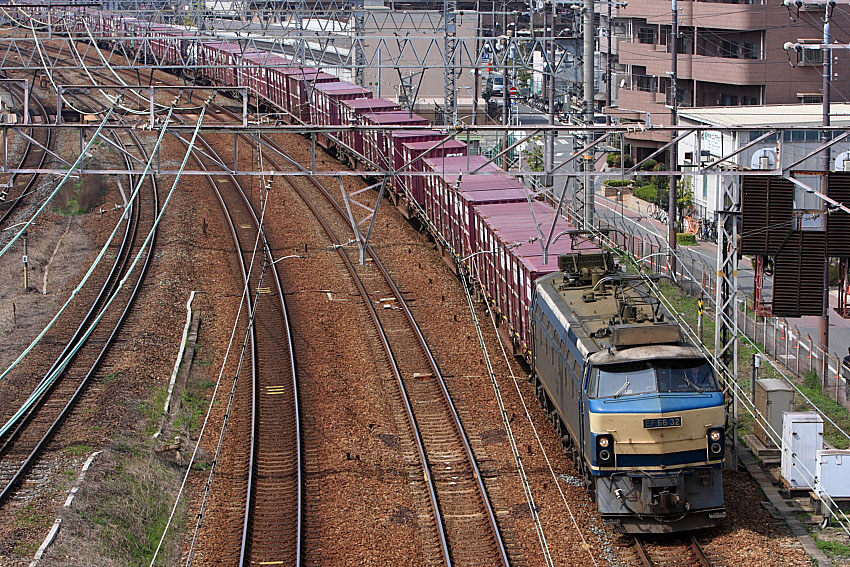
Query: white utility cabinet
(833,472)
(802,438)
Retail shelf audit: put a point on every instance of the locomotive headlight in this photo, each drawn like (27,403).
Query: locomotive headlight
(716,442)
(605,450)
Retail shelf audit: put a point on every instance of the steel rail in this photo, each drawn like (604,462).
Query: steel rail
(33,177)
(692,545)
(491,515)
(108,287)
(253,452)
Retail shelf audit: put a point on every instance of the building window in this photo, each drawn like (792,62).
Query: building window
(646,35)
(729,49)
(749,51)
(646,83)
(728,100)
(810,98)
(813,57)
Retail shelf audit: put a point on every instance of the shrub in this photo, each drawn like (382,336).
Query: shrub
(649,165)
(618,182)
(613,160)
(686,239)
(647,193)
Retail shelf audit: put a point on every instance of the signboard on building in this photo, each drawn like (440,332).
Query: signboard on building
(713,143)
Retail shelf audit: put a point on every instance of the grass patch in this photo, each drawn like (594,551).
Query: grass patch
(201,354)
(112,377)
(833,549)
(30,518)
(686,239)
(151,409)
(193,406)
(25,548)
(78,450)
(125,509)
(80,196)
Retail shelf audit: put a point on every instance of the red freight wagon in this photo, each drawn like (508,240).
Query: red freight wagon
(326,102)
(256,69)
(413,156)
(350,112)
(286,100)
(508,275)
(433,184)
(300,86)
(221,56)
(457,208)
(376,143)
(460,208)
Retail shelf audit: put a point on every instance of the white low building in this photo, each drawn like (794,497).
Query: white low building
(787,146)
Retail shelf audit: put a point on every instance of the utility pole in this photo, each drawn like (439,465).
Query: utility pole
(506,99)
(588,54)
(673,154)
(609,88)
(589,33)
(25,260)
(359,55)
(548,180)
(450,45)
(477,81)
(823,322)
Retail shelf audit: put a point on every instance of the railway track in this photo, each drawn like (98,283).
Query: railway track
(20,185)
(22,444)
(672,553)
(271,529)
(465,527)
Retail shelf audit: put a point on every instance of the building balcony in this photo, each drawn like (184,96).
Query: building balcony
(719,15)
(693,67)
(644,102)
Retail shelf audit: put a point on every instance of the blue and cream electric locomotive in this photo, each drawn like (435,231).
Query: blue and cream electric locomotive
(638,409)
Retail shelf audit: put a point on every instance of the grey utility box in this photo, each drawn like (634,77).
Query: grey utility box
(773,397)
(802,438)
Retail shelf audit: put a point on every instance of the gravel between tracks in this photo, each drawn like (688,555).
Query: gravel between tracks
(348,400)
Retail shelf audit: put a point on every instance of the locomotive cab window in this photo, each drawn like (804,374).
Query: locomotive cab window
(650,377)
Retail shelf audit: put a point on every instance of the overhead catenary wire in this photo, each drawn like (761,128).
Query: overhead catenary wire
(119,288)
(77,163)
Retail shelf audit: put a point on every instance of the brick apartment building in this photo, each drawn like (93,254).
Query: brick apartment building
(730,54)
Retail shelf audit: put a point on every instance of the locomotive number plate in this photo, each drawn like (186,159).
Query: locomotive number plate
(662,422)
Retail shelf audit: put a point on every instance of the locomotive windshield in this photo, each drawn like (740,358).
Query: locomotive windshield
(650,377)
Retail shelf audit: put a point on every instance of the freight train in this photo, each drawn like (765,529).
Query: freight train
(637,408)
